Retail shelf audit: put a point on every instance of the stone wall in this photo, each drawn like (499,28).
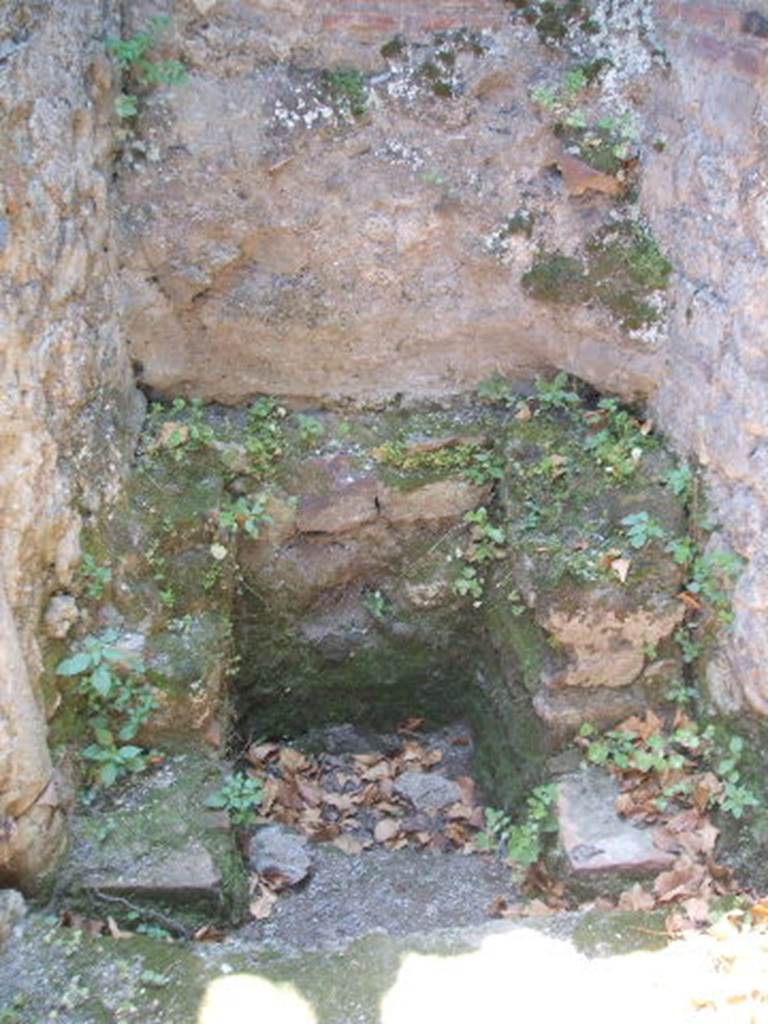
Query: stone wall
(362,258)
(66,399)
(273,239)
(708,196)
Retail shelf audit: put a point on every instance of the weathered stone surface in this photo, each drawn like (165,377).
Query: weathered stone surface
(371,237)
(160,848)
(349,500)
(442,499)
(279,854)
(32,830)
(60,616)
(708,197)
(350,269)
(428,791)
(176,878)
(12,911)
(66,401)
(595,840)
(607,647)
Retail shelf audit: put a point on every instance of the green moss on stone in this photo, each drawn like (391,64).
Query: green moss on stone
(157,816)
(623,270)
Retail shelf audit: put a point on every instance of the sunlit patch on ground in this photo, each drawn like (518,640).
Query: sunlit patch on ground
(247,999)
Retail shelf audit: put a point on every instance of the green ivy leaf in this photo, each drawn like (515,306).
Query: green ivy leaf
(101,680)
(75,665)
(104,737)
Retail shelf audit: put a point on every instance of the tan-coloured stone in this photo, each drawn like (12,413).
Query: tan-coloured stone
(605,647)
(442,499)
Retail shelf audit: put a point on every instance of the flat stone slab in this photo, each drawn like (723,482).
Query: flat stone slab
(173,877)
(594,838)
(157,845)
(428,791)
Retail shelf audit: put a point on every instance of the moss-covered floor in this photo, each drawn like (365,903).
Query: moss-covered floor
(588,966)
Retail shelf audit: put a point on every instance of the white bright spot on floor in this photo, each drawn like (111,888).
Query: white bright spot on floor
(247,999)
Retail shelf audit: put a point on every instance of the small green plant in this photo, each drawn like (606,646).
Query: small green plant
(557,393)
(680,693)
(134,58)
(522,843)
(468,583)
(683,550)
(11,1013)
(712,577)
(736,797)
(348,88)
(497,389)
(95,577)
(618,439)
(247,514)
(117,701)
(148,928)
(179,429)
(640,528)
(265,437)
(486,543)
(486,539)
(486,467)
(378,604)
(496,831)
(241,797)
(310,429)
(690,647)
(680,481)
(675,758)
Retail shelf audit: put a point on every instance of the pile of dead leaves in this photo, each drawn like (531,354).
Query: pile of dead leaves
(351,801)
(683,826)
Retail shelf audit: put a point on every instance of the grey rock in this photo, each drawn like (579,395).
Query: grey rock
(595,840)
(60,615)
(175,877)
(340,739)
(427,790)
(275,851)
(12,912)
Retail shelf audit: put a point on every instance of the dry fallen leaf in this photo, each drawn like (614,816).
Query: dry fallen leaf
(685,878)
(706,788)
(348,845)
(386,829)
(209,933)
(697,909)
(172,434)
(636,898)
(116,931)
(621,567)
(262,904)
(411,725)
(292,761)
(259,754)
(344,802)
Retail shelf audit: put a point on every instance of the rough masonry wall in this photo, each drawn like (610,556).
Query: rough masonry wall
(66,398)
(708,197)
(271,246)
(271,242)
